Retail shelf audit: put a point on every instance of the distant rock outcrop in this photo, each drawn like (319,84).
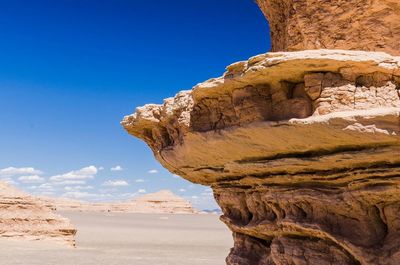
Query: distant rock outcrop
(163,201)
(26,217)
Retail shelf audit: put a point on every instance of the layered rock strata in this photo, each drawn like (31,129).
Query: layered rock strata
(163,201)
(369,25)
(23,216)
(301,149)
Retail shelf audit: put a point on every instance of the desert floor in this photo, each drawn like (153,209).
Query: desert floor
(129,239)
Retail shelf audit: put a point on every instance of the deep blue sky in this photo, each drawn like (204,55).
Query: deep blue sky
(70,70)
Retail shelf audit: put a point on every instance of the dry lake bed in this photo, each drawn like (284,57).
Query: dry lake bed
(129,239)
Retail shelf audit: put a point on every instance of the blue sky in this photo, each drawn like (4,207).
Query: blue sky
(70,70)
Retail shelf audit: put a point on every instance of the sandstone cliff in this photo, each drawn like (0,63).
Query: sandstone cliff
(369,25)
(24,216)
(163,201)
(302,150)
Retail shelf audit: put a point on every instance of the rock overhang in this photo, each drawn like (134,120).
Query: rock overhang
(302,150)
(205,151)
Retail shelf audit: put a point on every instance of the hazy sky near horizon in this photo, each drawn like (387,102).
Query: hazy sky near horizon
(70,70)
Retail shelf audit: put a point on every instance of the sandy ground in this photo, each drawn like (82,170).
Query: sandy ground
(129,239)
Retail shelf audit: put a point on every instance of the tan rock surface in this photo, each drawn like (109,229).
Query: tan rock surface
(23,216)
(302,150)
(163,201)
(369,25)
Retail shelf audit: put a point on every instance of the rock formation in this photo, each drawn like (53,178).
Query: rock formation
(369,25)
(24,216)
(301,149)
(163,201)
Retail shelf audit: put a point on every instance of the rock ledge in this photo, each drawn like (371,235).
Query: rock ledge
(302,150)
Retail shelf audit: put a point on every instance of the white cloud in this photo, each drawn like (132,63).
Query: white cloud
(9,181)
(182,190)
(116,168)
(31,179)
(98,197)
(139,181)
(152,171)
(108,190)
(207,194)
(83,173)
(87,195)
(47,193)
(115,183)
(195,197)
(14,171)
(46,186)
(142,191)
(101,168)
(70,182)
(76,188)
(125,196)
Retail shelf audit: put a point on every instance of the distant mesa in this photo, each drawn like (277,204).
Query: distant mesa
(26,217)
(163,201)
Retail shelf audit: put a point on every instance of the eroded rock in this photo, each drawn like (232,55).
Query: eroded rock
(26,217)
(368,25)
(301,149)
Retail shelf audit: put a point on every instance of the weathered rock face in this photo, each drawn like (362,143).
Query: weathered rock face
(24,216)
(369,25)
(163,201)
(302,150)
